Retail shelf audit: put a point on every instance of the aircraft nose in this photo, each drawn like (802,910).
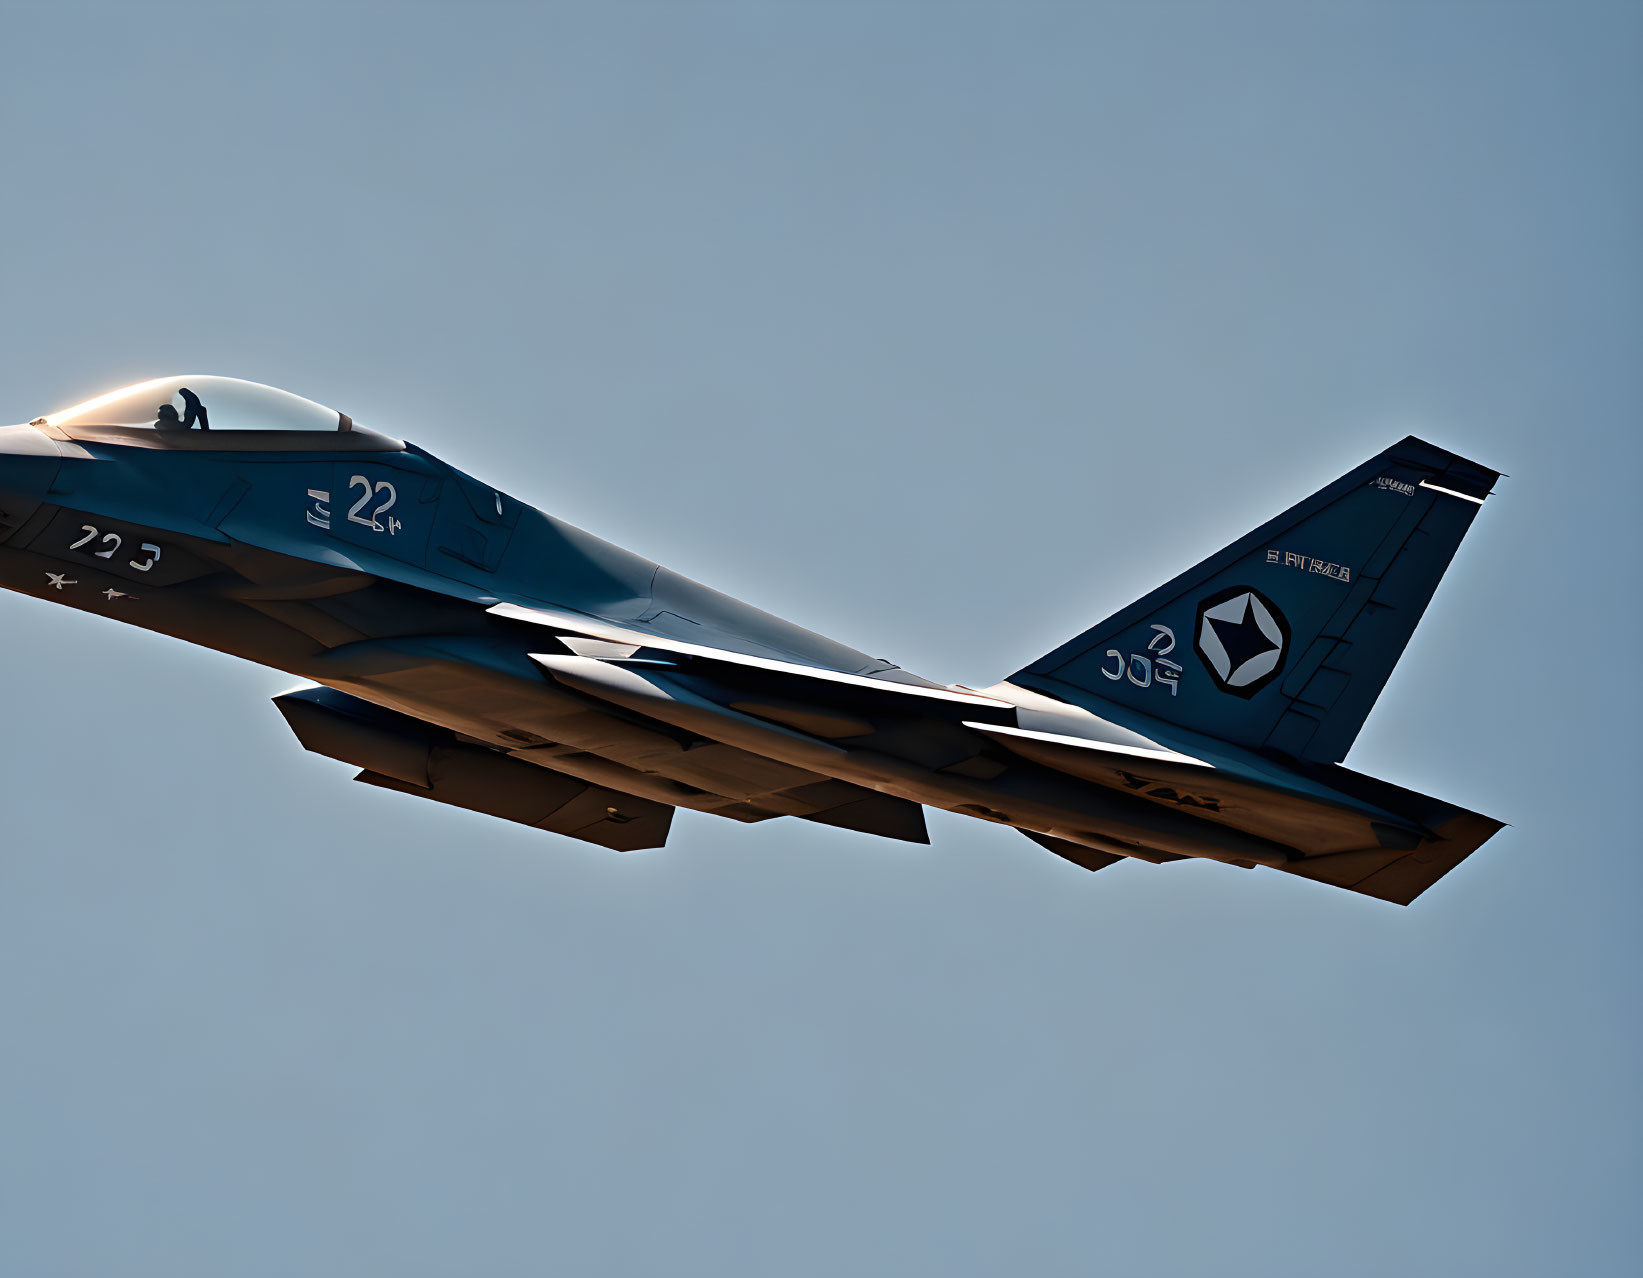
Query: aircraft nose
(28,464)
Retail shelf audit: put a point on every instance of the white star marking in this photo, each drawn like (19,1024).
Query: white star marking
(112,594)
(59,580)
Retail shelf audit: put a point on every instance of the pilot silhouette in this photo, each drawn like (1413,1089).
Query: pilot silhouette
(193,410)
(168,419)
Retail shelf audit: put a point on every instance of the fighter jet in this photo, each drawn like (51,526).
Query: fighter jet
(466,648)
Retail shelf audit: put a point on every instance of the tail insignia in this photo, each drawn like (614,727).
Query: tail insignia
(1242,638)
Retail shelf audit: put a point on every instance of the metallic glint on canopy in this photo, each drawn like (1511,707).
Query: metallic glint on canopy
(214,403)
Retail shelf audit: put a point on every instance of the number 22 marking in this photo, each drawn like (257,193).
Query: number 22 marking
(374,522)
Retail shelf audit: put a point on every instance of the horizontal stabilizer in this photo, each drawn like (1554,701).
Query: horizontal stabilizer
(1297,812)
(1338,826)
(1402,876)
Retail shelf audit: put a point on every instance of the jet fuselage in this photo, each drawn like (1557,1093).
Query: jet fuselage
(469,648)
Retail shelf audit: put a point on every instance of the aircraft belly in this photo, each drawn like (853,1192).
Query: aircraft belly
(650,785)
(646,731)
(551,727)
(409,755)
(1030,798)
(647,755)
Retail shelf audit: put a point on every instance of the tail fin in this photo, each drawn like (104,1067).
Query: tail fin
(1285,639)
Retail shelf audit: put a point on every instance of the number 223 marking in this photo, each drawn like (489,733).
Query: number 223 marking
(91,534)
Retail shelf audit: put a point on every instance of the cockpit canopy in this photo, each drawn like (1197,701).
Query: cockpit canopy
(189,411)
(220,403)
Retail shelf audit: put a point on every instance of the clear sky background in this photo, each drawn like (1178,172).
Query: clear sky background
(945,330)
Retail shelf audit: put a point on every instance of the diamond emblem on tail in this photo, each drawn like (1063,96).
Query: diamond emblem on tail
(1242,638)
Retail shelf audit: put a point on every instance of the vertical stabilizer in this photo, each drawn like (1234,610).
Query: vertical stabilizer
(1284,640)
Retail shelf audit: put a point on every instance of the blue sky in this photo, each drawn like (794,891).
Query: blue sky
(945,330)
